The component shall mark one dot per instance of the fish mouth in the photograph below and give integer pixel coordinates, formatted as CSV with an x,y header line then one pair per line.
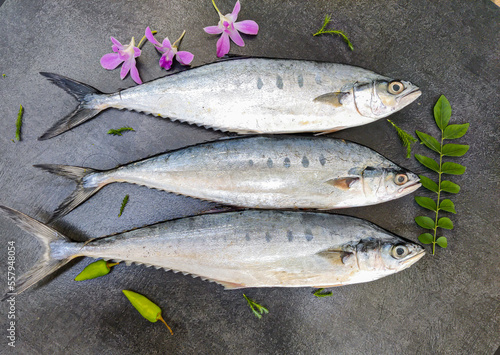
x,y
410,96
408,189
414,258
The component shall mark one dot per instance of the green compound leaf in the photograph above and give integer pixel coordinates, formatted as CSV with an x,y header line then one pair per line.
x,y
442,242
455,131
320,293
119,131
445,222
442,112
426,202
447,205
425,222
429,141
428,162
256,308
455,150
406,138
428,183
124,203
425,238
451,187
452,168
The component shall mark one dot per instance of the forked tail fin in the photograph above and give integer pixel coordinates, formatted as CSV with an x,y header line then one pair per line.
x,y
48,238
84,112
84,190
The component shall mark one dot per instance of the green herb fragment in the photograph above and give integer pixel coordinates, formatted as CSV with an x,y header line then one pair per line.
x,y
406,138
320,293
96,269
333,32
253,305
19,122
442,116
4,75
146,308
124,203
119,131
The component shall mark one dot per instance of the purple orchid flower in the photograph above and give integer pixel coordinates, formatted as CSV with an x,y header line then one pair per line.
x,y
169,51
123,54
229,29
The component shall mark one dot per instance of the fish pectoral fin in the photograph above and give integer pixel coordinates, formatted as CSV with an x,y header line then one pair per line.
x,y
343,183
332,98
336,256
335,129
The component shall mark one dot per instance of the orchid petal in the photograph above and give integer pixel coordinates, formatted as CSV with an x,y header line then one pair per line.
x,y
116,43
115,48
236,10
213,30
134,74
151,38
223,45
166,61
185,58
110,61
166,45
236,38
248,26
137,52
126,67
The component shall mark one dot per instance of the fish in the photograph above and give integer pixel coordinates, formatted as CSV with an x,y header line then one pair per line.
x,y
269,172
251,96
245,249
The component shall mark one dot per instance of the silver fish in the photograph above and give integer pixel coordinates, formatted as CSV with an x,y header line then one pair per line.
x,y
240,249
252,95
276,172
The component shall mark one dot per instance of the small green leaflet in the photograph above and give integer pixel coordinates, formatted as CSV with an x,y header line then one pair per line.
x,y
19,122
253,305
320,293
406,138
124,203
442,112
119,131
4,75
333,32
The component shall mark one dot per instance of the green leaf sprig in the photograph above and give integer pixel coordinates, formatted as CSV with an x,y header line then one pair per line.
x,y
96,269
322,30
146,308
442,115
124,203
257,309
19,122
321,293
119,131
406,138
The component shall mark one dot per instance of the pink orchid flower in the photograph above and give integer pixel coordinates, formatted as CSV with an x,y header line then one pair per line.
x,y
169,51
229,29
123,54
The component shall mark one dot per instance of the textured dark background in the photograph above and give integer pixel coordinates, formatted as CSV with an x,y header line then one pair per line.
x,y
444,304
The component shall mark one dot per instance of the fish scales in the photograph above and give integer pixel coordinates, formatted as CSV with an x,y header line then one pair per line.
x,y
252,95
252,248
276,172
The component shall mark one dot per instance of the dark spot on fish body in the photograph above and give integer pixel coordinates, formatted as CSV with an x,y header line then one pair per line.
x,y
300,80
250,162
269,163
260,84
286,163
268,237
289,234
322,160
247,237
279,82
308,234
305,162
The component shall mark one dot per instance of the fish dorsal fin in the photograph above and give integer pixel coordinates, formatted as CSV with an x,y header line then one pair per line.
x,y
337,256
332,98
343,183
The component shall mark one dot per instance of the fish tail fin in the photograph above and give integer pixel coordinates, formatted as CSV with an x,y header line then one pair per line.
x,y
84,189
50,261
85,110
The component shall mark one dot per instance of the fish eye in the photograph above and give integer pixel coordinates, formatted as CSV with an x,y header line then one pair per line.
x,y
395,87
400,251
401,179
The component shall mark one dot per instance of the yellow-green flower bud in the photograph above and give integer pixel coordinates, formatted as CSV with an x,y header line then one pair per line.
x,y
146,308
95,269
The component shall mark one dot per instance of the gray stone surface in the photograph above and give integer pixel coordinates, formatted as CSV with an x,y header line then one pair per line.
x,y
444,304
